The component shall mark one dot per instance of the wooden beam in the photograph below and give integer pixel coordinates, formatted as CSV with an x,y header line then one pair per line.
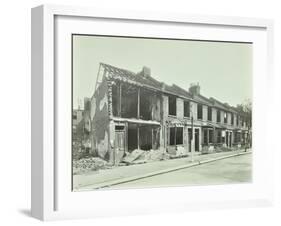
x,y
138,135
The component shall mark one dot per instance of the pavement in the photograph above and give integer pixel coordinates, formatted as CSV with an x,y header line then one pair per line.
x,y
233,170
124,174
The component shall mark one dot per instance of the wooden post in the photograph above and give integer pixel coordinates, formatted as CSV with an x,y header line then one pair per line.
x,y
138,135
175,136
120,100
138,114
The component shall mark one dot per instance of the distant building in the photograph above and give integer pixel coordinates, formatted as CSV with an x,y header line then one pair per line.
x,y
81,128
131,111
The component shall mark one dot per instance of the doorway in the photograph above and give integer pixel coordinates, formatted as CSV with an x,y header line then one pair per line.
x,y
119,146
196,139
226,139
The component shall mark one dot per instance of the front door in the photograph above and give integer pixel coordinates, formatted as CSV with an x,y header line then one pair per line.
x,y
119,146
226,139
196,139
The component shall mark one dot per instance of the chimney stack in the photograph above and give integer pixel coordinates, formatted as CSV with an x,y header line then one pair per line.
x,y
194,89
146,72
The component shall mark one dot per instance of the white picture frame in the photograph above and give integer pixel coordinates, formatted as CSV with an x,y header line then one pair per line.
x,y
49,198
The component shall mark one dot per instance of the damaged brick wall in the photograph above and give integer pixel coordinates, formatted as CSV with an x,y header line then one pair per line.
x,y
100,121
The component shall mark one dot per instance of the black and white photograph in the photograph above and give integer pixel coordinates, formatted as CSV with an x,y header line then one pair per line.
x,y
153,112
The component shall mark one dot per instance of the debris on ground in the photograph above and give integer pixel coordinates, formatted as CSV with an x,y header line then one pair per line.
x,y
141,156
134,155
89,164
223,149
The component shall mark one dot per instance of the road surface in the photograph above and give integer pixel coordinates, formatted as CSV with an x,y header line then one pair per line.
x,y
230,170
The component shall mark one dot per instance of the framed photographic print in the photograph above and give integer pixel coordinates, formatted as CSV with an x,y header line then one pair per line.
x,y
137,112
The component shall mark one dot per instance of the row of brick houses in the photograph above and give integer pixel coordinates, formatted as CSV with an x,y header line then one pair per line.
x,y
130,111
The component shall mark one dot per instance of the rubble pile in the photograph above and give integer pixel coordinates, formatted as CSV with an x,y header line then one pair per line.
x,y
223,149
89,164
140,156
134,155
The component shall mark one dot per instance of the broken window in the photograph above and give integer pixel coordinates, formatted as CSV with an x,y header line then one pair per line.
x,y
176,135
147,102
116,108
218,116
129,101
172,105
225,117
199,111
209,113
145,137
156,138
132,137
119,128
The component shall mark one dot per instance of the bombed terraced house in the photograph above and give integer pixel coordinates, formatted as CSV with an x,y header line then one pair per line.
x,y
132,113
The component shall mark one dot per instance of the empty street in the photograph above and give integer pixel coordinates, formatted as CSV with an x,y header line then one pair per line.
x,y
230,170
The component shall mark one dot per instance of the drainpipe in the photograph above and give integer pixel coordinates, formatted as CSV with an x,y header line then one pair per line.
x,y
192,149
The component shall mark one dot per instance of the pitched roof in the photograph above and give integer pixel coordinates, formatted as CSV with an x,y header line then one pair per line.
x,y
201,99
174,89
221,105
131,77
148,81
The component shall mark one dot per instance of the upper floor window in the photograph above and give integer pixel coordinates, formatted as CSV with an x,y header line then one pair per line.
x,y
199,111
232,118
209,113
172,105
237,120
186,105
225,117
218,116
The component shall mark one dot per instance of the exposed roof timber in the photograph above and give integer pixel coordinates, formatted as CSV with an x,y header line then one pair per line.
x,y
151,83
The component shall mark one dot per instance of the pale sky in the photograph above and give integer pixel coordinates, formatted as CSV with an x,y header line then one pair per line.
x,y
223,70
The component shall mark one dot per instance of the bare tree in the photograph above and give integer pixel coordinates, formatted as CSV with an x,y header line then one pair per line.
x,y
246,109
